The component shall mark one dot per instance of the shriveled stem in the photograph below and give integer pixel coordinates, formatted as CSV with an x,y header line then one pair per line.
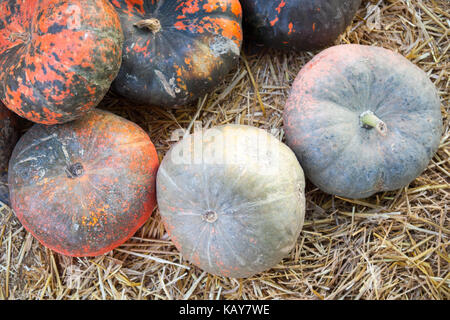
x,y
210,216
76,170
369,119
151,24
19,35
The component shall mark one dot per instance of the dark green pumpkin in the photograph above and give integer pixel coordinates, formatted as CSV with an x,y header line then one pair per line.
x,y
9,133
175,51
297,24
362,119
232,199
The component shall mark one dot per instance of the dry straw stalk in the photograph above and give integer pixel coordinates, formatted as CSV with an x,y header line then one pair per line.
x,y
394,245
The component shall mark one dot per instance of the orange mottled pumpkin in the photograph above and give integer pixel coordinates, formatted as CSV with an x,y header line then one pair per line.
x,y
84,187
57,58
175,51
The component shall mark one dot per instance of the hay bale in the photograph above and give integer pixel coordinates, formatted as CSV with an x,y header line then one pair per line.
x,y
393,245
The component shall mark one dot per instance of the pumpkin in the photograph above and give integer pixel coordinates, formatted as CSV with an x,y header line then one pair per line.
x,y
232,199
58,58
9,133
361,120
297,24
176,51
83,188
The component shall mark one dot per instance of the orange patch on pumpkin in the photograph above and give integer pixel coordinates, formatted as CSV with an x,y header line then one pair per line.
x,y
274,21
280,6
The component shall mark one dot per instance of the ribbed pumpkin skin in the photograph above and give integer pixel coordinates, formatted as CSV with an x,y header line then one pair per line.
x,y
322,120
58,58
233,217
84,187
9,133
297,24
198,44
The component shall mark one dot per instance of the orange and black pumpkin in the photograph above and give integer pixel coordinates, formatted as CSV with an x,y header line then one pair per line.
x,y
9,133
297,24
57,58
84,187
178,50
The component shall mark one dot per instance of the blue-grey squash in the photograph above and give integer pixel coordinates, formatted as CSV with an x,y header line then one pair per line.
x,y
362,119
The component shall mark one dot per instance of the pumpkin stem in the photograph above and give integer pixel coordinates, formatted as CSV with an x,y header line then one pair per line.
x,y
369,120
152,24
76,170
19,35
210,216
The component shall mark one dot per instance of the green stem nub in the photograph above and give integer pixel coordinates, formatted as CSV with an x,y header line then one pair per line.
x,y
369,120
151,24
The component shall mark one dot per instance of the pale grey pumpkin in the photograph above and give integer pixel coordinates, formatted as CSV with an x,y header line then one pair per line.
x,y
232,199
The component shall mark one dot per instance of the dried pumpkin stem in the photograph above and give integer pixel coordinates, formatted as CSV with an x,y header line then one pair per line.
x,y
210,216
76,170
19,35
369,119
151,24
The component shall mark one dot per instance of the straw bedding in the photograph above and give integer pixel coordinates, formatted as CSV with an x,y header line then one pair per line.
x,y
394,245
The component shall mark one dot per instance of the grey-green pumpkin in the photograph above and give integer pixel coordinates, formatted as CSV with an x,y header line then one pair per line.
x,y
361,120
232,199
